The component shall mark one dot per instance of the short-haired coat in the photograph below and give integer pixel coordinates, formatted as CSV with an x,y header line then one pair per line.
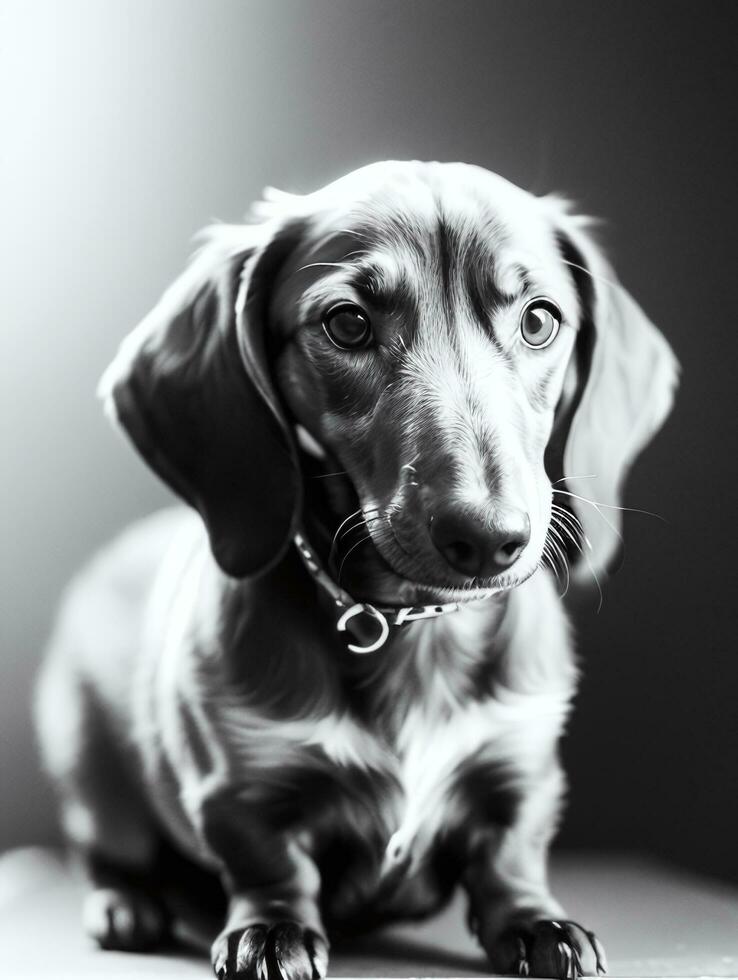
x,y
422,371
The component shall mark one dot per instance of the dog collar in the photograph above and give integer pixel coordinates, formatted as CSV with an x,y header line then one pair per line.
x,y
385,618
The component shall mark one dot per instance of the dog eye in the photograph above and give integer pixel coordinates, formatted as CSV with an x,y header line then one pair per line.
x,y
347,327
539,323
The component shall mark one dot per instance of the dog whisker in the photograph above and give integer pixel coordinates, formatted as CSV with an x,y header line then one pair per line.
x,y
572,522
569,525
367,537
577,523
334,265
324,476
560,550
597,581
550,558
353,547
583,553
585,476
341,525
596,506
366,517
549,561
353,233
613,285
598,503
564,535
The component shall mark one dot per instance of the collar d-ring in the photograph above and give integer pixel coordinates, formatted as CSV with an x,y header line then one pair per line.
x,y
366,608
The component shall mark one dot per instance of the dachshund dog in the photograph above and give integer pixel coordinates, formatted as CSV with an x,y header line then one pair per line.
x,y
335,683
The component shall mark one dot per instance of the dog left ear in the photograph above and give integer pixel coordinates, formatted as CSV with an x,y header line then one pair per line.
x,y
191,387
621,387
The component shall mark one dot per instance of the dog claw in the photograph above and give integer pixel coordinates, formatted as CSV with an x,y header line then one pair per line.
x,y
566,962
318,951
523,966
599,953
219,957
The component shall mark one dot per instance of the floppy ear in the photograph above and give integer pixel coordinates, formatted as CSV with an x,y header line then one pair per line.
x,y
191,387
625,377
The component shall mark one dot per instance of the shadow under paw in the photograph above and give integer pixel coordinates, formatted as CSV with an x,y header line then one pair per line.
x,y
283,951
549,948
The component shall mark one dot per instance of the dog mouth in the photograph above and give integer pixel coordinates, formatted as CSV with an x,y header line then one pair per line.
x,y
358,547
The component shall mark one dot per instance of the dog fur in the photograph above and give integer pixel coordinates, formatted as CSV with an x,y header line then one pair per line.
x,y
197,699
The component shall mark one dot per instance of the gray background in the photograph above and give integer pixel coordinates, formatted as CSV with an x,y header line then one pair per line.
x,y
127,126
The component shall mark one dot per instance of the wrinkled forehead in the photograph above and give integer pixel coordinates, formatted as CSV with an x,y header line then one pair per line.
x,y
481,242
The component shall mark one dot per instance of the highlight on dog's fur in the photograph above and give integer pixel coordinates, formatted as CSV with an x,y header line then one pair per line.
x,y
215,726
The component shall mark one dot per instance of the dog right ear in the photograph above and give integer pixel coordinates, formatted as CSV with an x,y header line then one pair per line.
x,y
191,386
625,375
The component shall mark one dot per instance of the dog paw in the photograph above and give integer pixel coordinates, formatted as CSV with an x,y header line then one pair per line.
x,y
549,948
124,919
283,951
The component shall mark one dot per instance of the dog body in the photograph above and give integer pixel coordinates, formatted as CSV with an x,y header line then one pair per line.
x,y
211,700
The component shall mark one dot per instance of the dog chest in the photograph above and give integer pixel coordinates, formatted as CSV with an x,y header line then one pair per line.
x,y
396,812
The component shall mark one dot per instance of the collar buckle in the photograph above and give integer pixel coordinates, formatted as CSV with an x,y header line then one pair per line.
x,y
409,614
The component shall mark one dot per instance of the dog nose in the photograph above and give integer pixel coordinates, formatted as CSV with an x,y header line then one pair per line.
x,y
476,548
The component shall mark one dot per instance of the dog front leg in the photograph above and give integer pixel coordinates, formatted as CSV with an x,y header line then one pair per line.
x,y
273,887
521,926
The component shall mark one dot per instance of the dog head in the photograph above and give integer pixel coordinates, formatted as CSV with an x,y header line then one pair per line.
x,y
449,350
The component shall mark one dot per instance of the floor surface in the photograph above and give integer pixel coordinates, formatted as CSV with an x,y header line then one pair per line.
x,y
654,922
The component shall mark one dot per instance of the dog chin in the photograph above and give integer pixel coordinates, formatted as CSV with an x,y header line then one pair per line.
x,y
423,594
383,585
